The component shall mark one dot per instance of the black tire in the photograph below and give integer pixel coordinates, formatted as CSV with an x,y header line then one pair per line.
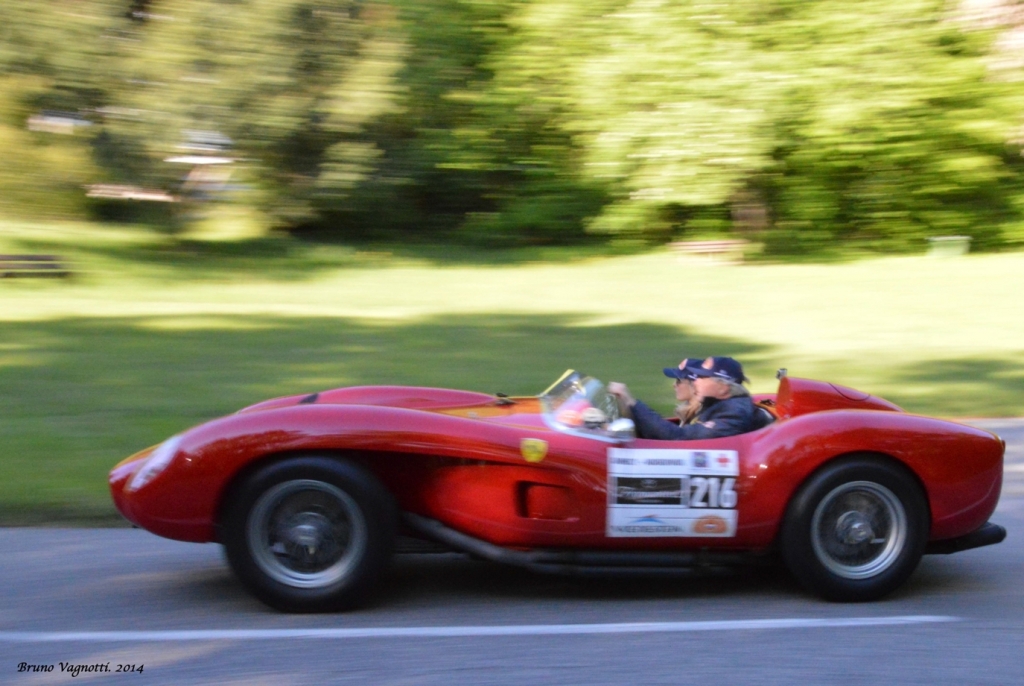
x,y
856,530
310,534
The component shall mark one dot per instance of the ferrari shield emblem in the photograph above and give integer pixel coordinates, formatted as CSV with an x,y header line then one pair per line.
x,y
533,449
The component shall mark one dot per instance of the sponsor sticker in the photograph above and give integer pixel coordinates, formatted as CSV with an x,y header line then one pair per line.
x,y
648,491
672,493
710,525
652,523
649,525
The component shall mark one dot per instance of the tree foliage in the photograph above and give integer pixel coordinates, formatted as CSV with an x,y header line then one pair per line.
x,y
804,123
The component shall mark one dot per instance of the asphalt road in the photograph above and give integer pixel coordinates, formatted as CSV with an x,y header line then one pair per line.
x,y
126,597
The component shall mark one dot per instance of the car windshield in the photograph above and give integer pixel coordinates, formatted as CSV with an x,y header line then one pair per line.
x,y
579,403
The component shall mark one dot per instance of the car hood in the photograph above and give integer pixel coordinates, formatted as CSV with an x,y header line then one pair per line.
x,y
442,400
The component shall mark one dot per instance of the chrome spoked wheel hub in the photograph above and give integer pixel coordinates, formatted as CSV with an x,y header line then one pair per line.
x,y
859,530
306,533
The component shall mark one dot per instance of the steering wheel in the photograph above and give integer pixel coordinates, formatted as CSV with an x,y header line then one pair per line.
x,y
609,405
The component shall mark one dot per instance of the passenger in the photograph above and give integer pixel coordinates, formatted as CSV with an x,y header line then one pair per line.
x,y
687,400
725,409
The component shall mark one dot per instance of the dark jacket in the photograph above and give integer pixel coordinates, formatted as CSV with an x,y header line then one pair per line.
x,y
717,418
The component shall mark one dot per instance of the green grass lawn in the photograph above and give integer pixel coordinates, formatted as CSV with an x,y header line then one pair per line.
x,y
155,334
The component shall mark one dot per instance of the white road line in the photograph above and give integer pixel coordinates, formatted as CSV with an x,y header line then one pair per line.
x,y
458,631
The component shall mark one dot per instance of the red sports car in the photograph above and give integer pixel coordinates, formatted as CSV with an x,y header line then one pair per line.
x,y
309,493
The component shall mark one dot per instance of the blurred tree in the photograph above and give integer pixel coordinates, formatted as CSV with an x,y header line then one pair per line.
x,y
75,49
810,122
59,62
664,102
868,120
526,167
890,130
417,189
286,86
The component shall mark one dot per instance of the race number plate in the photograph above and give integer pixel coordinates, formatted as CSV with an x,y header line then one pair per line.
x,y
672,493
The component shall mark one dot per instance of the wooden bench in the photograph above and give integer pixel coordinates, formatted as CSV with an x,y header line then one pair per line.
x,y
726,250
12,266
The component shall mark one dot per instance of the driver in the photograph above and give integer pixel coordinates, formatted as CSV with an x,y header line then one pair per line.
x,y
726,408
687,400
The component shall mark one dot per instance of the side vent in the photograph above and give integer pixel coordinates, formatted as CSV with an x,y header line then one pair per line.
x,y
545,501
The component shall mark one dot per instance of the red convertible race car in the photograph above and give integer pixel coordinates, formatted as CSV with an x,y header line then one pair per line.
x,y
309,493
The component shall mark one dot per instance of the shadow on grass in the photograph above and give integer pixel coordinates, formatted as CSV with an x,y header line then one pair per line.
x,y
960,387
81,394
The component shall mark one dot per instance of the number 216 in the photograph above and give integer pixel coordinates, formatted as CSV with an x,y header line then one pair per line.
x,y
719,492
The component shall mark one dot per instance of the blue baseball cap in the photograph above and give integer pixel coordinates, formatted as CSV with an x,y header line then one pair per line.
x,y
685,370
720,368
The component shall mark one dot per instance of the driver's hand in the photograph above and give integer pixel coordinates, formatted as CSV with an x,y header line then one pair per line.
x,y
621,393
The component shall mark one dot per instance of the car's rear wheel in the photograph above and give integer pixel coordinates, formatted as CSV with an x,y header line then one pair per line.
x,y
856,530
310,534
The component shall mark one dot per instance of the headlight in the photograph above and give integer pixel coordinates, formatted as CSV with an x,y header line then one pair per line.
x,y
156,463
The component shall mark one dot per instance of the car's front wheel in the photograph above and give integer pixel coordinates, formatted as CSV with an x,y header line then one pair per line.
x,y
856,530
310,534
